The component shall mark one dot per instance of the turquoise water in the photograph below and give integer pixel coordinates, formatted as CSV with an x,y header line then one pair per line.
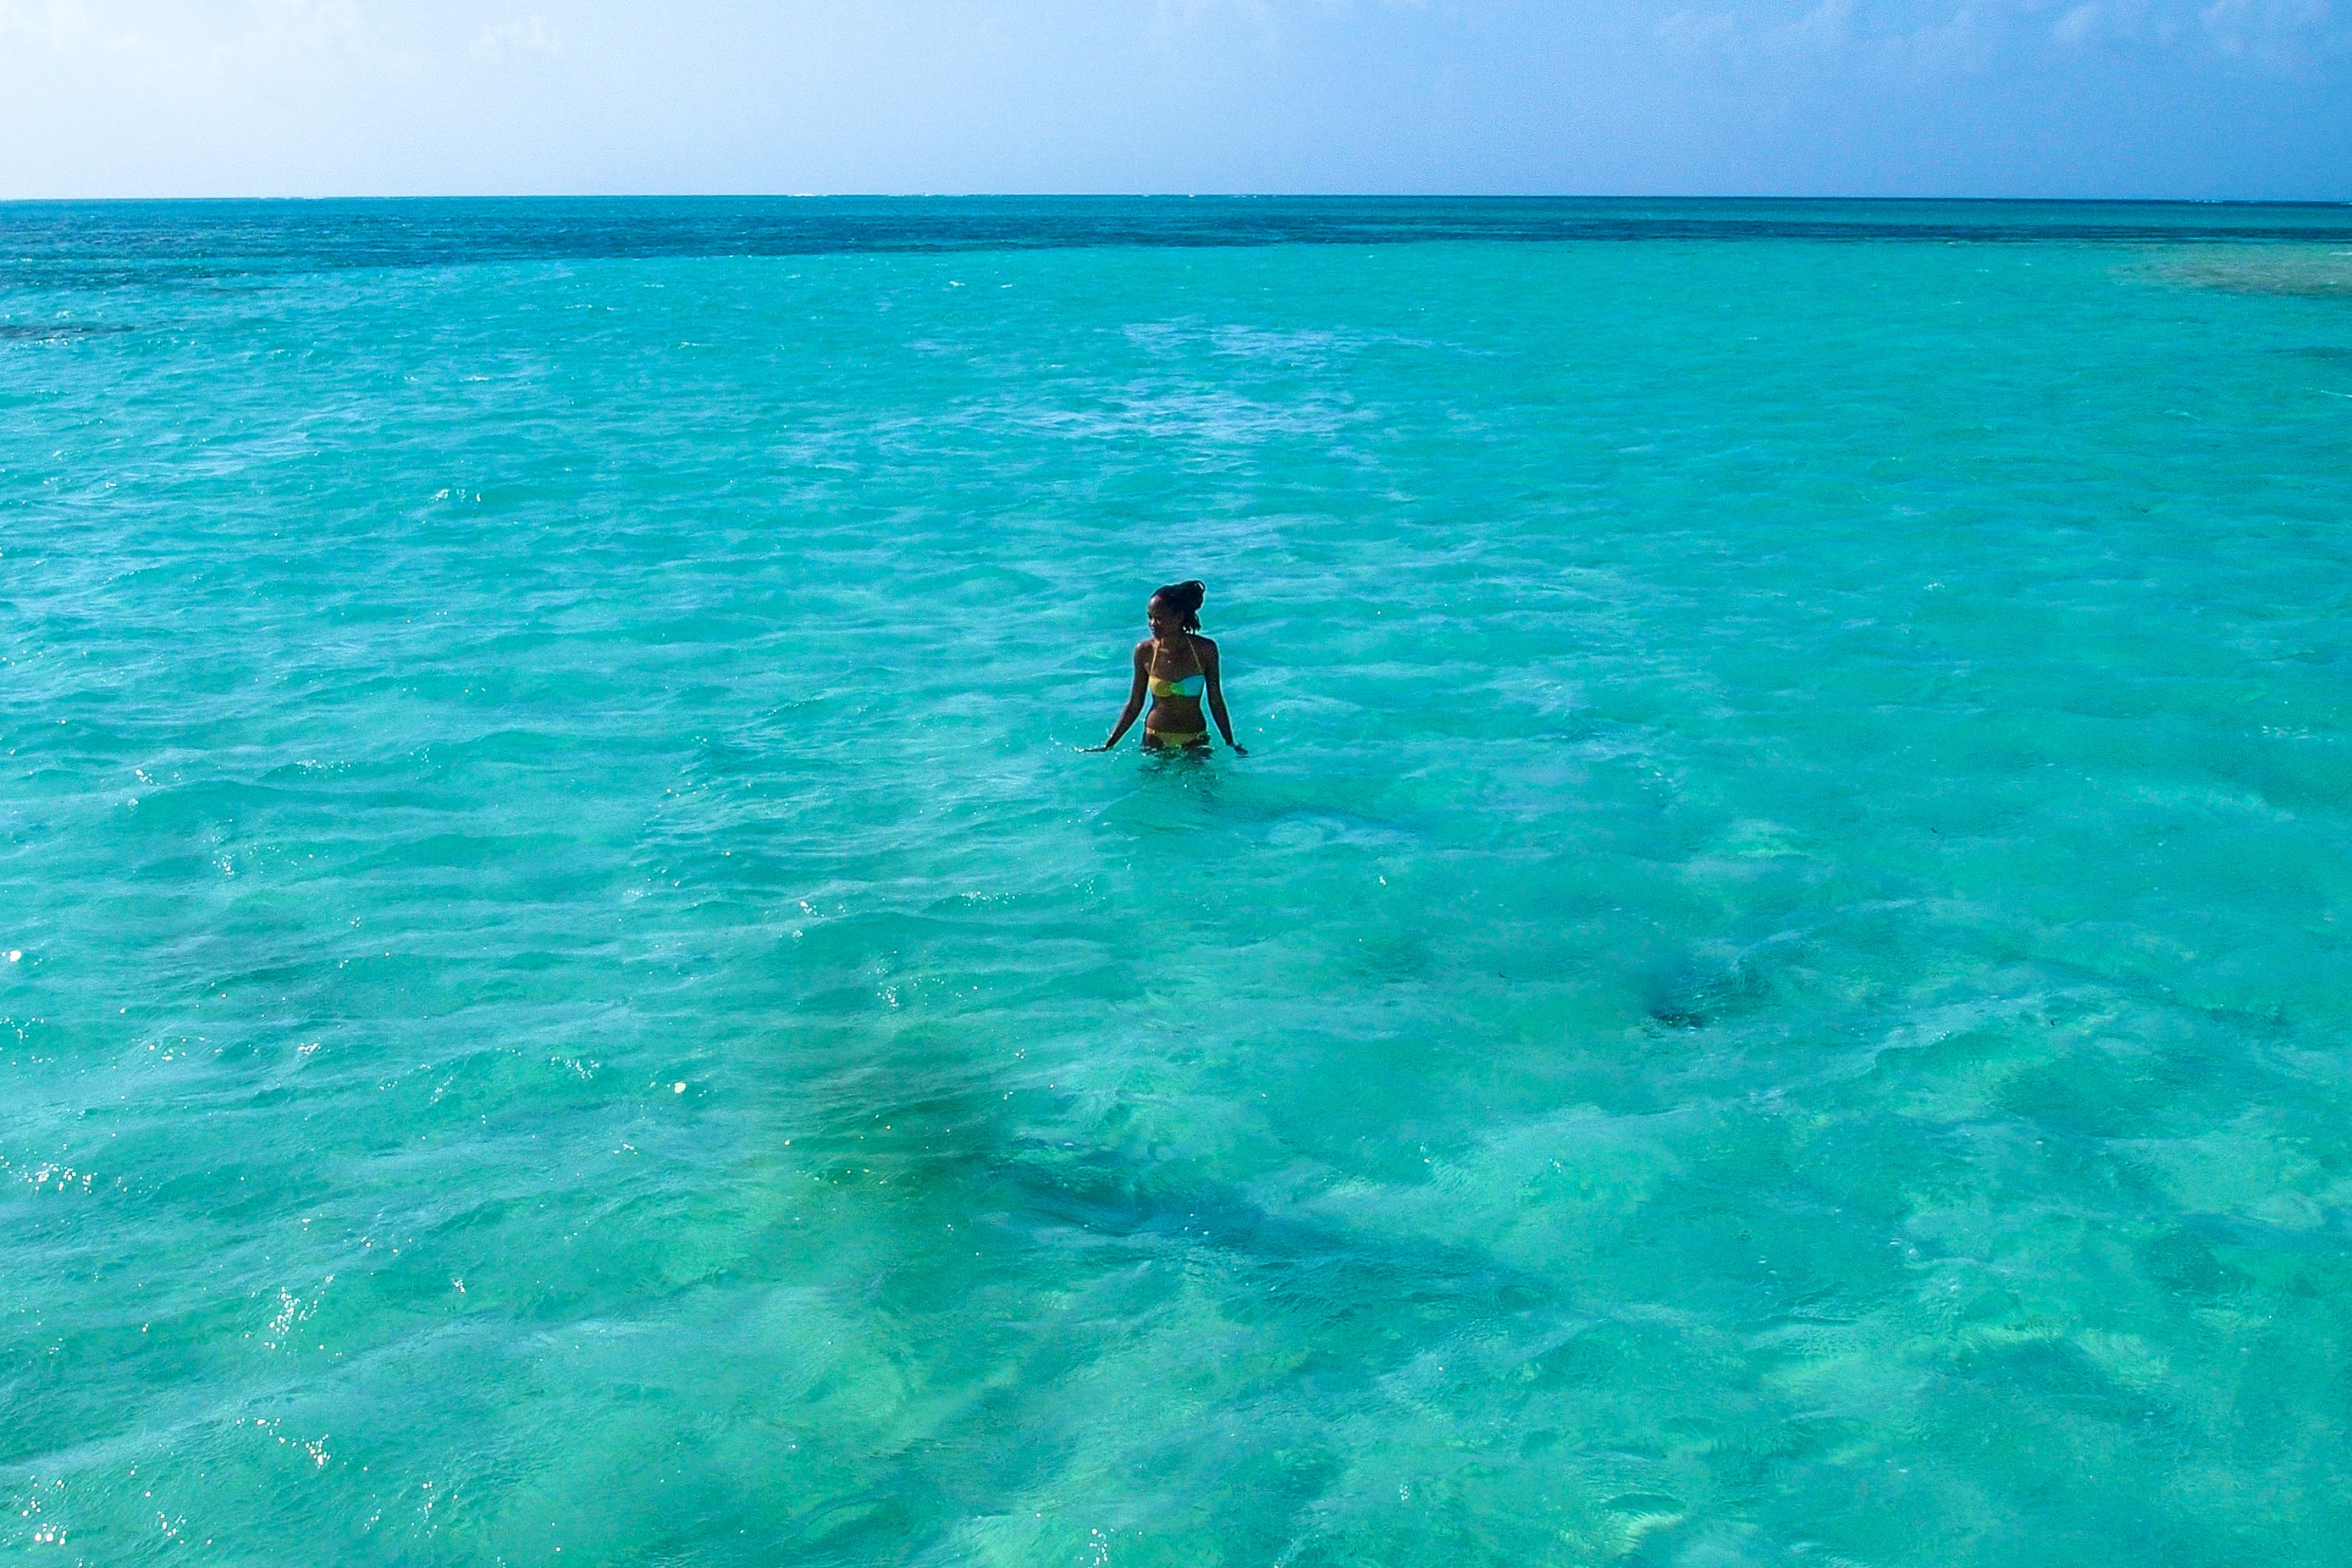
x,y
1773,987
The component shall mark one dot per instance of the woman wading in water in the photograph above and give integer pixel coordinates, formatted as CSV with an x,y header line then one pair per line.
x,y
1176,667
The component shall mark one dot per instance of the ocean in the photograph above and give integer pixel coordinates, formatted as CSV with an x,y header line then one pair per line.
x,y
1774,987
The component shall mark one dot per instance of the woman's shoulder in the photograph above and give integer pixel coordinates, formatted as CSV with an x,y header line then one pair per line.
x,y
1143,651
1205,646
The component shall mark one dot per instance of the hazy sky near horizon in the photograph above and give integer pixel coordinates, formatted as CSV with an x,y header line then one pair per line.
x,y
2031,98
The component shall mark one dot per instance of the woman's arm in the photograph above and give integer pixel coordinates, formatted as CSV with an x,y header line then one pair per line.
x,y
1134,699
1212,667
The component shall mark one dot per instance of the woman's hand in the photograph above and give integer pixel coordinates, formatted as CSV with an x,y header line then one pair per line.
x,y
1239,750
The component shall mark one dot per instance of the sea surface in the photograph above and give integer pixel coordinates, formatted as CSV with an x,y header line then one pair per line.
x,y
1775,986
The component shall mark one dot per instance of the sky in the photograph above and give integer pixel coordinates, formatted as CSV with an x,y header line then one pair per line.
x,y
2198,99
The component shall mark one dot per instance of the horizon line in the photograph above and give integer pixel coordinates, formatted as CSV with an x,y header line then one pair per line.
x,y
1183,196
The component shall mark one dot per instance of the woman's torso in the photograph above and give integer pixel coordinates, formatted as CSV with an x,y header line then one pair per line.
x,y
1178,681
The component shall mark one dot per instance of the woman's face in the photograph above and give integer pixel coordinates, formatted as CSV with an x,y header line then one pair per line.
x,y
1165,621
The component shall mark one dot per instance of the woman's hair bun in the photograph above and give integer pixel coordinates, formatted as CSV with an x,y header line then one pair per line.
x,y
1185,599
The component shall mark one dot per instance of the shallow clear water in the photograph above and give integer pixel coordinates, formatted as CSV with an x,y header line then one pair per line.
x,y
1773,988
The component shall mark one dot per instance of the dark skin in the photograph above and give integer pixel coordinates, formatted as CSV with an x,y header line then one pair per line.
x,y
1171,652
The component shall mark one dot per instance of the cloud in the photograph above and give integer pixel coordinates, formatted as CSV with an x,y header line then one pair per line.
x,y
2290,37
1965,36
285,40
273,40
56,23
2289,34
506,40
63,28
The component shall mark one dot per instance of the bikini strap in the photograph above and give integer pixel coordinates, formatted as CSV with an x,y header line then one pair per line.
x,y
1199,667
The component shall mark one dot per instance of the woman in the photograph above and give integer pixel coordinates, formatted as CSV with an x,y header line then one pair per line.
x,y
1177,667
